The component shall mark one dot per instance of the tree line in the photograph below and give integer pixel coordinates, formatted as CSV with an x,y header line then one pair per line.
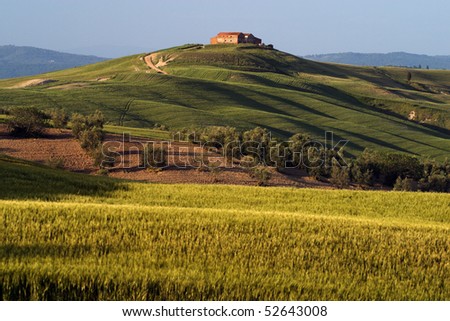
x,y
255,151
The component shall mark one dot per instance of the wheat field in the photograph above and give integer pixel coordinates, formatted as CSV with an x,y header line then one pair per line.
x,y
71,237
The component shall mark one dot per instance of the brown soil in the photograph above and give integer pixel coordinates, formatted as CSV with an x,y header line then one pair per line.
x,y
61,146
57,145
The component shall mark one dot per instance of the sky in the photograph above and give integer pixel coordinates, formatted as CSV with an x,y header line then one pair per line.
x,y
112,28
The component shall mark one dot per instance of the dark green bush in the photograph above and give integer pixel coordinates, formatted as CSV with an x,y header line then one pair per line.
x,y
27,122
340,176
91,139
59,118
405,184
262,174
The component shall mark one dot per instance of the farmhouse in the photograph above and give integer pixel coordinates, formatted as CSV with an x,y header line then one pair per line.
x,y
235,38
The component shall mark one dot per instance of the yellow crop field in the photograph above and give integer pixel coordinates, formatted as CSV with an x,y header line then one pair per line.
x,y
134,241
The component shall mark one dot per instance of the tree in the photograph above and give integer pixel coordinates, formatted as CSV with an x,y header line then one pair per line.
x,y
80,123
296,148
89,131
435,183
388,166
257,142
214,169
262,174
59,118
340,176
408,76
27,122
91,139
405,184
359,175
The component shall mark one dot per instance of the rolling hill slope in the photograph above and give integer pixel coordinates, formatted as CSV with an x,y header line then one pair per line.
x,y
247,86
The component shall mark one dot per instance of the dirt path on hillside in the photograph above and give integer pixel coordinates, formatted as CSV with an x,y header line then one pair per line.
x,y
149,61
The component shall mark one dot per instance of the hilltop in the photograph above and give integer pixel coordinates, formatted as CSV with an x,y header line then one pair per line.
x,y
244,86
389,59
18,61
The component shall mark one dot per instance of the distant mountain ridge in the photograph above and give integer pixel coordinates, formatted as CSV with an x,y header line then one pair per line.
x,y
16,61
401,59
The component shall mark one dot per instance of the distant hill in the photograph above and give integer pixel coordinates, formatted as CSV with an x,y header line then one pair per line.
x,y
399,59
26,61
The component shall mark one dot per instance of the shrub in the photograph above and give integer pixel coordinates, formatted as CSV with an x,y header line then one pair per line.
x,y
340,176
315,163
388,166
296,146
59,118
80,123
435,183
360,176
89,131
214,169
257,142
405,184
262,174
279,155
27,122
219,136
91,139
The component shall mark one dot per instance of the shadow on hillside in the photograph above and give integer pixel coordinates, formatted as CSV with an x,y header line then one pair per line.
x,y
294,104
378,142
26,180
418,142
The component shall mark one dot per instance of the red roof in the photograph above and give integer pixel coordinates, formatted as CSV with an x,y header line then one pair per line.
x,y
229,33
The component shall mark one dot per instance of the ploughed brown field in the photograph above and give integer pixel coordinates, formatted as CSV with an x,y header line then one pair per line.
x,y
60,145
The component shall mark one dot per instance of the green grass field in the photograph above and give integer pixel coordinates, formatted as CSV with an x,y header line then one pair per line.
x,y
245,87
139,132
75,237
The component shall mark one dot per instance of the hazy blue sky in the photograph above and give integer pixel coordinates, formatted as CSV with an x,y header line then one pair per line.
x,y
297,26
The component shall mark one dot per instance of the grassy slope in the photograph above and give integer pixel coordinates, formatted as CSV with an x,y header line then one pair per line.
x,y
68,236
246,87
138,132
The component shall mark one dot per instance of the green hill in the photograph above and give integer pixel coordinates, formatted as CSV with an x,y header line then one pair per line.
x,y
247,86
